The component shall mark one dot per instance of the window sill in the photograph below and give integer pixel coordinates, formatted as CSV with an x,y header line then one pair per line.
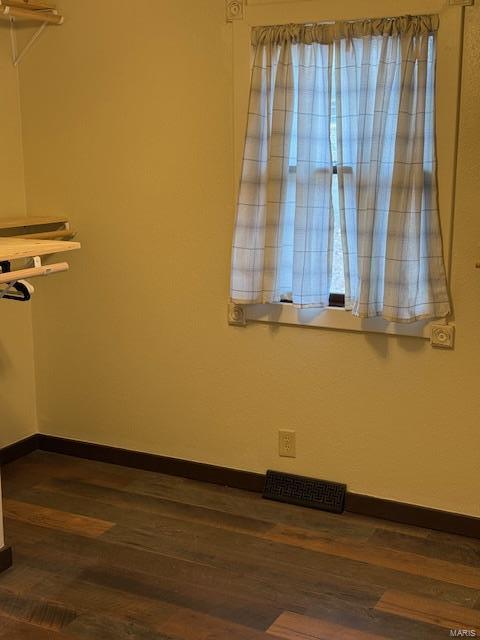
x,y
334,318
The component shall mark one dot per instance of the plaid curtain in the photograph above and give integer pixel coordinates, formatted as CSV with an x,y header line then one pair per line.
x,y
283,235
383,72
385,97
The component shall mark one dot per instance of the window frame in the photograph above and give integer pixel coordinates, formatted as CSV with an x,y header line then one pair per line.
x,y
336,299
448,76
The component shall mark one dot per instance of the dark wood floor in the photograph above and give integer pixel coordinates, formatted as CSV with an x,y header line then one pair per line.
x,y
111,553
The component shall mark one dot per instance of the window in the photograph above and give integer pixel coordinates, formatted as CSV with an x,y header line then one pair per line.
x,y
337,286
448,78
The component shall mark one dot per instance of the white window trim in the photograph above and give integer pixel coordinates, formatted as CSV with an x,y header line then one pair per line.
x,y
262,12
334,318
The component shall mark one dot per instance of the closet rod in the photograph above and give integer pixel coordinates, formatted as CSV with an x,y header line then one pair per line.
x,y
30,14
46,270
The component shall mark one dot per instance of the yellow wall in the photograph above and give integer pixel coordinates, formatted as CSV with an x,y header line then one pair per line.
x,y
128,128
17,381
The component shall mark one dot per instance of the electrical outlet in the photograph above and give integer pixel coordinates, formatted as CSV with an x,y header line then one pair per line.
x,y
287,443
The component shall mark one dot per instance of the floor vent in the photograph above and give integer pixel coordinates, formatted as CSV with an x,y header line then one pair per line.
x,y
306,492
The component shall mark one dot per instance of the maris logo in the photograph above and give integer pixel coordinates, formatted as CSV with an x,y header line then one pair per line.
x,y
463,633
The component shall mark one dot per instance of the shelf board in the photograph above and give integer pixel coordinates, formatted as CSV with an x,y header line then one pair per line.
x,y
19,248
40,12
31,221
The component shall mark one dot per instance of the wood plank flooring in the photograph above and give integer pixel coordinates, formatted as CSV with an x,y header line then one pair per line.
x,y
109,553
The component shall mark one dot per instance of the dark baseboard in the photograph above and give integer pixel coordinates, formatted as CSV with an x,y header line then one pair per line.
x,y
5,558
152,462
18,449
445,521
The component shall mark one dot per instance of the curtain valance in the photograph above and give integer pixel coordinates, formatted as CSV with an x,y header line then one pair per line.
x,y
328,32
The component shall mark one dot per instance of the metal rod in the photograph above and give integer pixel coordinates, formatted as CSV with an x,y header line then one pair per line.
x,y
30,43
13,39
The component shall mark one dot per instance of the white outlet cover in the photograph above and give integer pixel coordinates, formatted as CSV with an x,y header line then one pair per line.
x,y
287,443
442,335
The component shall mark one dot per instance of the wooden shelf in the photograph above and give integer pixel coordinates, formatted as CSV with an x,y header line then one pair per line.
x,y
31,5
30,10
17,242
18,248
32,221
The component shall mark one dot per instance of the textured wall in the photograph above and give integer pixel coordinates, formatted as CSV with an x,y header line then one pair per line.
x,y
127,120
17,384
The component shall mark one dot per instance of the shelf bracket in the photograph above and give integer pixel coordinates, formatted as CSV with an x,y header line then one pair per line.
x,y
16,55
